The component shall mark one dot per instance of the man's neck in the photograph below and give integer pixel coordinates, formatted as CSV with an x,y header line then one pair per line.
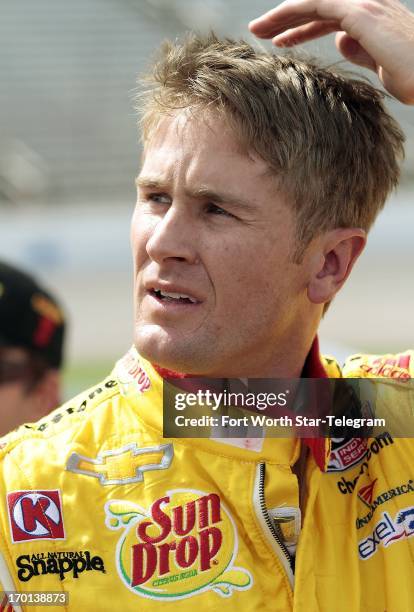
x,y
311,367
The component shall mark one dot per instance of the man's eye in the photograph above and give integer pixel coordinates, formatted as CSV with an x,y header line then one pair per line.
x,y
154,198
158,198
216,210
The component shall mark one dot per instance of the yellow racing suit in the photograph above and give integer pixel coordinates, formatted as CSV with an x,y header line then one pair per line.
x,y
99,509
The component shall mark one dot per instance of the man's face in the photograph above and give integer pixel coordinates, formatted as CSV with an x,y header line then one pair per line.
x,y
14,406
211,226
20,403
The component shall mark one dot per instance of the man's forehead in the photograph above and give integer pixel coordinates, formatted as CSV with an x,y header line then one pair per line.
x,y
194,128
185,139
13,354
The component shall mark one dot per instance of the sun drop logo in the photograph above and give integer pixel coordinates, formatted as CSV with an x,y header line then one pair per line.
x,y
184,544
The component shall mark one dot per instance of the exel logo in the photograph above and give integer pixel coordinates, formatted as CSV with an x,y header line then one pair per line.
x,y
388,531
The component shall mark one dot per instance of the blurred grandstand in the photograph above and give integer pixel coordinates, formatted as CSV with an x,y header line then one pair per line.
x,y
69,153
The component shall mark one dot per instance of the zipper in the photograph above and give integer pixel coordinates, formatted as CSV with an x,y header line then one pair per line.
x,y
273,534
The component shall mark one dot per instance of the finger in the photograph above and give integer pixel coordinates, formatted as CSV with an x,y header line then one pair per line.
x,y
304,33
294,13
352,51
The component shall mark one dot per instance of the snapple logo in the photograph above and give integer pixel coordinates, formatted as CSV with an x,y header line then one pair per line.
x,y
185,544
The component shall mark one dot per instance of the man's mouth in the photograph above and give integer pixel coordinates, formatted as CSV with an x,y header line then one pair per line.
x,y
175,298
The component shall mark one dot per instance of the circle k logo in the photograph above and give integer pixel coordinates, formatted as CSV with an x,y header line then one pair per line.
x,y
35,515
186,543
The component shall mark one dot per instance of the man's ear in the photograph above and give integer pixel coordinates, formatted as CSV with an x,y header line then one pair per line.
x,y
338,250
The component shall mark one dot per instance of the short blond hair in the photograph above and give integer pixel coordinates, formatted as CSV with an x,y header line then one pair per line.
x,y
327,137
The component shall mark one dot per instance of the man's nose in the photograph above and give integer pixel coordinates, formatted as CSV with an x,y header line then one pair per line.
x,y
173,237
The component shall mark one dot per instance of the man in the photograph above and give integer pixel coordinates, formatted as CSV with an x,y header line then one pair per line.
x,y
31,345
260,179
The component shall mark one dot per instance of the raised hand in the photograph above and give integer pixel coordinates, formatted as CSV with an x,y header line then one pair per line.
x,y
378,34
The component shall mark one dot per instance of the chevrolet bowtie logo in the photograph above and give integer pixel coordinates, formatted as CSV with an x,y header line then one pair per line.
x,y
123,465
